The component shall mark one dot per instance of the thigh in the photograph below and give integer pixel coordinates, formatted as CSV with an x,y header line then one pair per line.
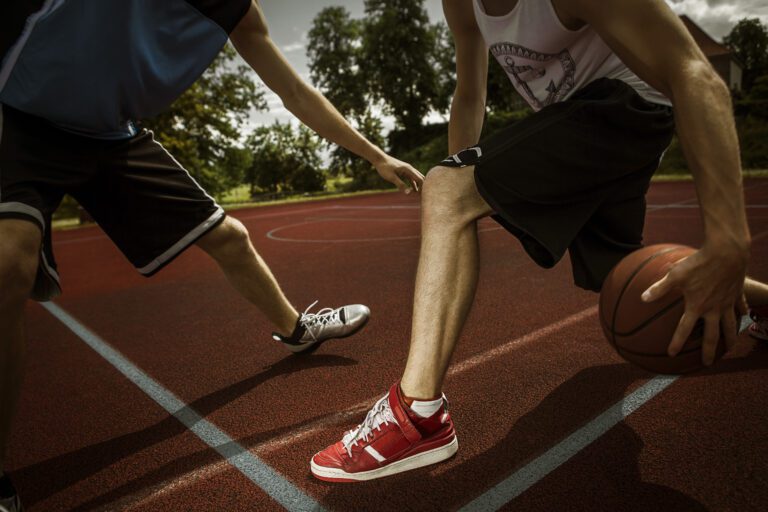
x,y
148,203
38,164
613,231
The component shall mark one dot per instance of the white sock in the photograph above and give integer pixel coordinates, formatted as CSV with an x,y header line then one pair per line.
x,y
425,409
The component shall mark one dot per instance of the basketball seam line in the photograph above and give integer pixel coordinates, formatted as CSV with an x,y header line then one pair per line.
x,y
626,285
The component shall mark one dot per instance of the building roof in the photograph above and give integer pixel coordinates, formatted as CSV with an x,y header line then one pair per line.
x,y
709,46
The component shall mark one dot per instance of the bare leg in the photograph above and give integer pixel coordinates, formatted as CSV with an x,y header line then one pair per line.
x,y
19,247
230,245
446,278
756,292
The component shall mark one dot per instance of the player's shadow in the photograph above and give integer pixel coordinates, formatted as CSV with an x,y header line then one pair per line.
x,y
41,480
613,483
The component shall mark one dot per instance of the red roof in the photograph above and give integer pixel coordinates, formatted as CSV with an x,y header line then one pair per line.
x,y
709,46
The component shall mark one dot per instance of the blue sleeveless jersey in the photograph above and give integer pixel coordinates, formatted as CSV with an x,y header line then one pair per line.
x,y
96,66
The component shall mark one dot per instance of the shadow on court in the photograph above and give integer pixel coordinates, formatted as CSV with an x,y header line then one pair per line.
x,y
38,482
616,483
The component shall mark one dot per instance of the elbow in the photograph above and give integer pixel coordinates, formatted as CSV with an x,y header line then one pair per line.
x,y
469,98
295,97
699,75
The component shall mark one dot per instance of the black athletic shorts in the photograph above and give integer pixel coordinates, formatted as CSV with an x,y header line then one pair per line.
x,y
574,175
144,200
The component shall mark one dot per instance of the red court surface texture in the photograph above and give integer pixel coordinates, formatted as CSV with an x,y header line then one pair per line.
x,y
168,393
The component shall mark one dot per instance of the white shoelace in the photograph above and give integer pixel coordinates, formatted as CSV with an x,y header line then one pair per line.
x,y
380,414
325,316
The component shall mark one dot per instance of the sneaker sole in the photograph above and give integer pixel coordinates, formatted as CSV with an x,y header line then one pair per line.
x,y
308,349
413,462
757,334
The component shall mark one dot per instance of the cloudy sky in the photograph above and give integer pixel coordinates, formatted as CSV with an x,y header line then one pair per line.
x,y
290,20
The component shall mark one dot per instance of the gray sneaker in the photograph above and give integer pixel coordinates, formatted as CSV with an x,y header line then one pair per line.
x,y
326,324
10,504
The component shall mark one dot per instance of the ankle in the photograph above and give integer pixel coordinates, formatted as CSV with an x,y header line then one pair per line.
x,y
288,327
411,392
421,407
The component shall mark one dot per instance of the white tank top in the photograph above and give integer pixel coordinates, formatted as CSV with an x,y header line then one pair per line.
x,y
548,62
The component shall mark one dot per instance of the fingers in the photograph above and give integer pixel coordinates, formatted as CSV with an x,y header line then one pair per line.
x,y
711,339
400,184
683,331
658,289
414,177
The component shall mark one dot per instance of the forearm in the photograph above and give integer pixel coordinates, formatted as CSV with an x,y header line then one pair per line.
x,y
467,113
252,41
707,133
315,111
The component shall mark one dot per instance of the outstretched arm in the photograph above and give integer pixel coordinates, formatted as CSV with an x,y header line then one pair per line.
x,y
251,39
654,43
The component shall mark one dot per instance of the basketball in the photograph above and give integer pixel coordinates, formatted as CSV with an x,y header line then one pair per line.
x,y
639,331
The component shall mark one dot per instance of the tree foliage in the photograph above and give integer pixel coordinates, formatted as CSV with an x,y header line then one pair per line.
x,y
749,41
401,60
203,127
334,54
284,159
346,163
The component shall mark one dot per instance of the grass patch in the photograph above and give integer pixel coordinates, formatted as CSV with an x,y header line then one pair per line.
x,y
686,176
230,200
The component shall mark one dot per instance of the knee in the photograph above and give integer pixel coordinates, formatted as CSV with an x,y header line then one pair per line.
x,y
445,196
229,239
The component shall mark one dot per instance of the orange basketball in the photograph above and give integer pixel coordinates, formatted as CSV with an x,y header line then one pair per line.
x,y
639,331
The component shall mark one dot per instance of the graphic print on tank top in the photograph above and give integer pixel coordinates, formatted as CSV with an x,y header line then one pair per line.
x,y
525,66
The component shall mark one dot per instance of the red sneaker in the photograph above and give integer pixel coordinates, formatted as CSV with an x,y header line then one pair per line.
x,y
389,441
759,329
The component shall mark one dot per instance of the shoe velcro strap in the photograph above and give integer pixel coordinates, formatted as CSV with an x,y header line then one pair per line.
x,y
409,430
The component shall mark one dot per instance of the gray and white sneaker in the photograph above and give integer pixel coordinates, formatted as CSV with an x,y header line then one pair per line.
x,y
313,329
10,504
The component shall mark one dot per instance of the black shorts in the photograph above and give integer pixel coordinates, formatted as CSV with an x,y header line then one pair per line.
x,y
574,176
144,200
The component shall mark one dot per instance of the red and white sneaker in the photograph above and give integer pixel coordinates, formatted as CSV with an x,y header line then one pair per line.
x,y
759,329
390,440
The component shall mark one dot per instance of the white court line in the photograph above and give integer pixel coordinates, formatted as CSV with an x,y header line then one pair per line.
x,y
272,235
468,364
256,470
530,474
247,217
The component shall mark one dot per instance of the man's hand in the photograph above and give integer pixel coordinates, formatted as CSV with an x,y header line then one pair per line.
x,y
399,173
711,282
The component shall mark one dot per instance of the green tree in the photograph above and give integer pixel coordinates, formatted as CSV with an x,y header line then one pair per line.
x,y
346,163
334,53
759,90
284,160
749,41
202,128
400,60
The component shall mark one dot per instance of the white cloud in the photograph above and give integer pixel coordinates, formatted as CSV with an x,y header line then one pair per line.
x,y
293,47
718,17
